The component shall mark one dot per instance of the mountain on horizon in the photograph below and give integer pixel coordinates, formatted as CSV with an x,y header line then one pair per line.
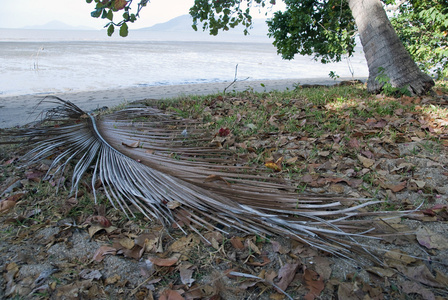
x,y
58,25
183,24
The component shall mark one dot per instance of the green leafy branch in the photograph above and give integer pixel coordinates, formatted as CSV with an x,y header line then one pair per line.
x,y
324,29
224,14
423,28
106,9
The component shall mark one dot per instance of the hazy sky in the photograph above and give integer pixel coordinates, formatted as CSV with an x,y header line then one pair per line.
x,y
21,13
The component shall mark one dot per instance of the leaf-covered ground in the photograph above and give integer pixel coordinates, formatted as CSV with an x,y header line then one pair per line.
x,y
337,140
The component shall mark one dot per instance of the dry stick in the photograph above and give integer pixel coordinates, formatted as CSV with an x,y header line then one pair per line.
x,y
350,67
234,80
36,63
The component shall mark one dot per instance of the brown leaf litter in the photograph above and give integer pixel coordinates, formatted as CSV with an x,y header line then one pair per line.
x,y
46,254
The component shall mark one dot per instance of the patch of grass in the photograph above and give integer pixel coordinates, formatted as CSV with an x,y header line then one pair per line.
x,y
442,86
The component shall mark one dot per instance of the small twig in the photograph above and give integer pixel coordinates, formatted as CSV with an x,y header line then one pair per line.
x,y
36,63
144,281
235,79
350,67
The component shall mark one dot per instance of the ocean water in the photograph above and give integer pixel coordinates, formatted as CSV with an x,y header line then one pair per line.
x,y
47,61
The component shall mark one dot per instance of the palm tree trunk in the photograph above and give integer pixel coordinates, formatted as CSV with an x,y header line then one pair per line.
x,y
384,50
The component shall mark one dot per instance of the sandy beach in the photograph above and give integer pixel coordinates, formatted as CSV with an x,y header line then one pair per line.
x,y
20,110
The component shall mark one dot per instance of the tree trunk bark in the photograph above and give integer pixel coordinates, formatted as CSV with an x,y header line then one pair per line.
x,y
384,50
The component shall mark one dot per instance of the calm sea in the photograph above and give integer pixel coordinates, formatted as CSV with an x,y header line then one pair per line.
x,y
48,61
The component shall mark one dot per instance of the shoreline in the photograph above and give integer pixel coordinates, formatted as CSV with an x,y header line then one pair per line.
x,y
20,110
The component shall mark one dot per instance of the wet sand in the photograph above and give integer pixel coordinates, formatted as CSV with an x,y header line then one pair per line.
x,y
20,110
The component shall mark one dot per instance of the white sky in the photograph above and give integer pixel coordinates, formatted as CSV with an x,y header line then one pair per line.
x,y
21,13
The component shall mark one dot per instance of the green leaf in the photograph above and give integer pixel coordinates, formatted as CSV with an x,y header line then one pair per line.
x,y
96,13
124,30
89,1
126,16
104,14
110,30
110,15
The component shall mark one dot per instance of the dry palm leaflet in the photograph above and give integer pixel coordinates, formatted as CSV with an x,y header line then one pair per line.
x,y
163,166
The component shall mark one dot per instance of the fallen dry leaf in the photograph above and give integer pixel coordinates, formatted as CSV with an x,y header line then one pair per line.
x,y
382,272
286,275
90,274
136,252
266,260
438,210
350,290
186,274
213,238
112,279
10,202
15,197
441,278
366,162
148,241
412,287
431,239
397,257
421,274
396,187
184,243
314,283
165,262
419,183
323,153
373,123
71,291
6,205
170,295
35,176
214,235
249,283
100,220
102,252
253,247
70,203
276,166
97,228
237,243
197,292
323,267
126,242
11,271
173,204
277,247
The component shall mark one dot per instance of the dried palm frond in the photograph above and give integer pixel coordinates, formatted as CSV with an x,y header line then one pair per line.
x,y
162,165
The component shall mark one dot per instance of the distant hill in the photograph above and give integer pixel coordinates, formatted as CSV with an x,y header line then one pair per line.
x,y
58,25
183,24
